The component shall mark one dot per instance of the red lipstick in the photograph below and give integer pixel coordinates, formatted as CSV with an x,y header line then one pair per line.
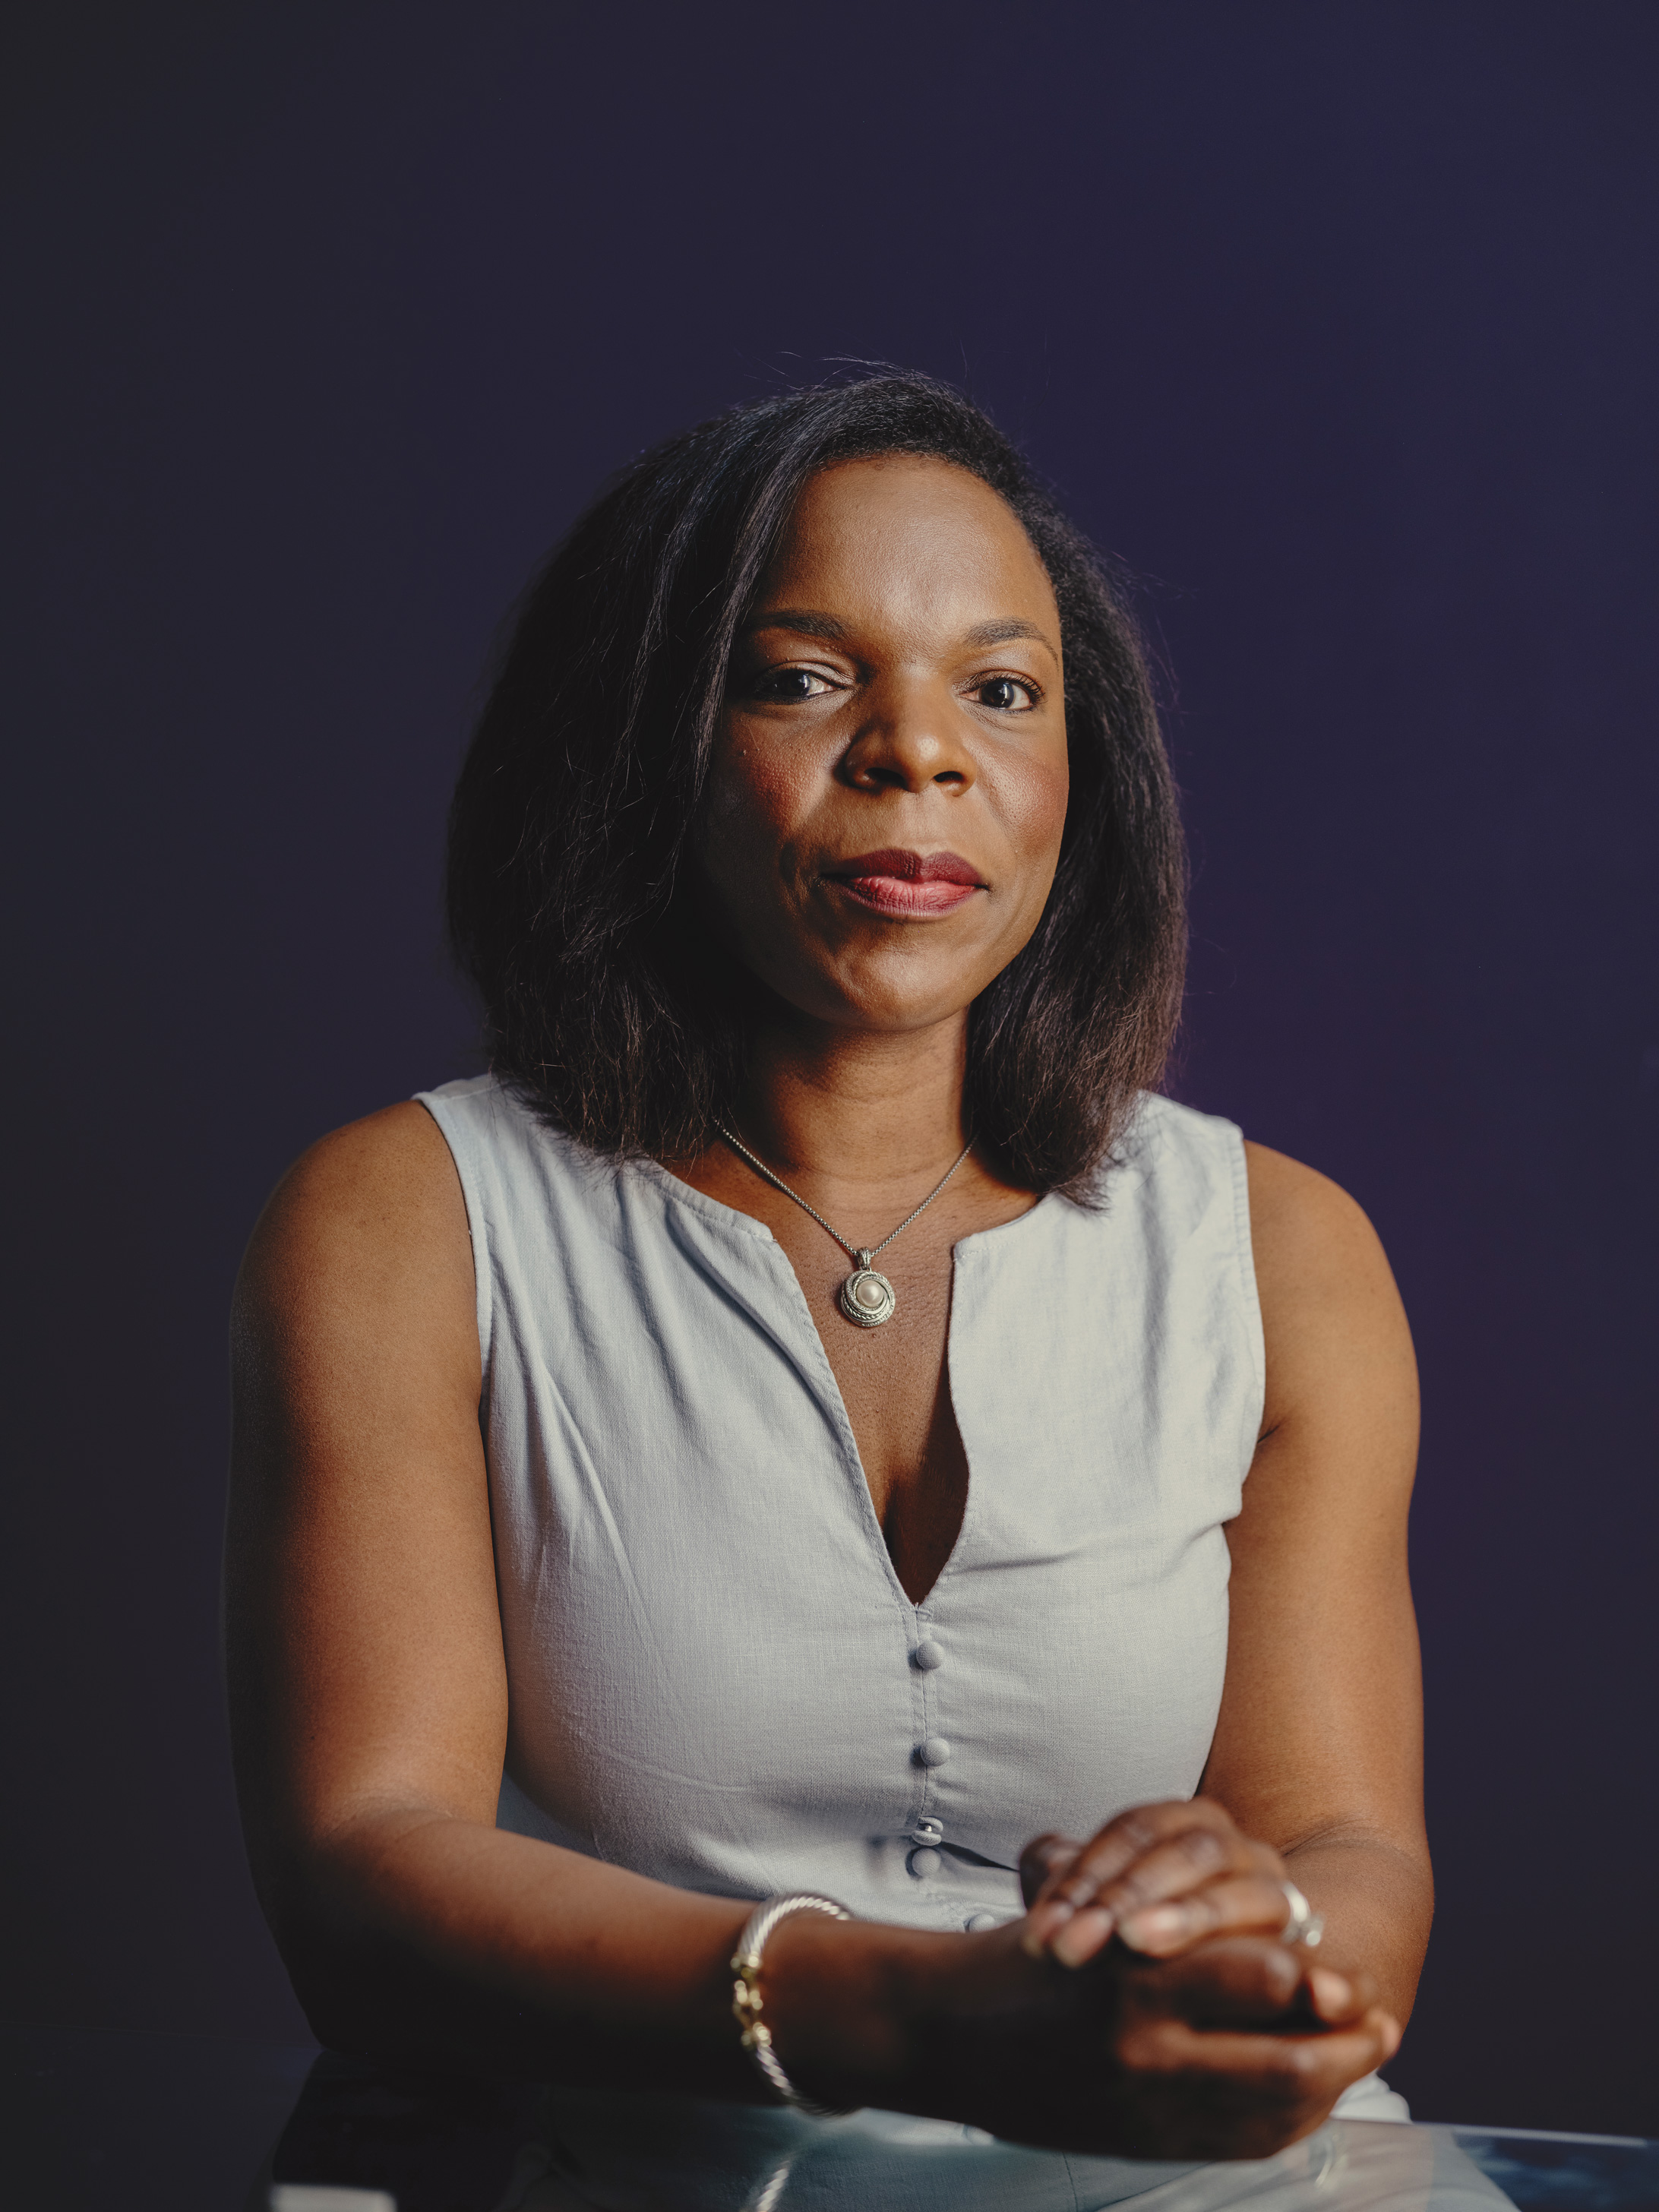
x,y
895,881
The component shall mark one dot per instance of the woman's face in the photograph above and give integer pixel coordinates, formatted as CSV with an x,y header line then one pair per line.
x,y
885,802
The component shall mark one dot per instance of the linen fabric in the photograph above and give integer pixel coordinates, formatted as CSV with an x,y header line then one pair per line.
x,y
715,1677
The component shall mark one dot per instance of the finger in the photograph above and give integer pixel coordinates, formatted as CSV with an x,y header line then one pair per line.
x,y
1188,1847
1236,1904
1174,1867
1310,2071
1044,1859
1336,1998
1248,1979
1122,1840
1240,1981
1071,1890
1249,2094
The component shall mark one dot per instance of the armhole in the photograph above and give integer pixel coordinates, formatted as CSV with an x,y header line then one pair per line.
x,y
439,1108
1244,1248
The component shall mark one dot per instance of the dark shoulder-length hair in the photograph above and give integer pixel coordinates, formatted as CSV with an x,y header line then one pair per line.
x,y
609,1007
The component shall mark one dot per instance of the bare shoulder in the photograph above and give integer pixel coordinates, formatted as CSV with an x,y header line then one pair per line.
x,y
1331,1313
1311,1239
1299,1217
362,1635
367,1230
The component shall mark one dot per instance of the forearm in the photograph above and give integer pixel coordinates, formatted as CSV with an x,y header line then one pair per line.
x,y
1377,1901
419,1938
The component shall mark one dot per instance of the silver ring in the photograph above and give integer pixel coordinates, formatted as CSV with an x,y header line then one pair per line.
x,y
1302,1924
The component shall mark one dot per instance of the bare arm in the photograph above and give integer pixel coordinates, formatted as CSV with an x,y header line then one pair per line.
x,y
1315,1770
368,1681
1319,1748
370,1708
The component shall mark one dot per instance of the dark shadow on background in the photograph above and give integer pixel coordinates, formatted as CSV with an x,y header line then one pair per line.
x,y
1337,323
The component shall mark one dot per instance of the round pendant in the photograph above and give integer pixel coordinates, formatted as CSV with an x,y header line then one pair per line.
x,y
868,1299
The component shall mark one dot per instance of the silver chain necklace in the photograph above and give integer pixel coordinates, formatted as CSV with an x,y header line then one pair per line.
x,y
866,1296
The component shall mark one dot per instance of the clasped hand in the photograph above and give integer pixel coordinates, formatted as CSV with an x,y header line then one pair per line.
x,y
1220,2039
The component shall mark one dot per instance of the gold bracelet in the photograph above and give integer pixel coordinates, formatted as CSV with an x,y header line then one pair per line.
x,y
747,1996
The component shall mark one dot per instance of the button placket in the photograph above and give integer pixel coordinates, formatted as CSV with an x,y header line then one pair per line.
x,y
932,1750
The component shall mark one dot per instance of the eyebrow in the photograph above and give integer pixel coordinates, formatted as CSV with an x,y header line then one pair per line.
x,y
1000,633
805,623
801,620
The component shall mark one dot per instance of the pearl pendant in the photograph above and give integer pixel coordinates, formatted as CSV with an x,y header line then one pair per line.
x,y
866,1296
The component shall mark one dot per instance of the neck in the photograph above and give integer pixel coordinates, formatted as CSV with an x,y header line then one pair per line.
x,y
861,1107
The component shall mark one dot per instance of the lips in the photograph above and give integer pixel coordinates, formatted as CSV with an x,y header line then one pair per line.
x,y
896,882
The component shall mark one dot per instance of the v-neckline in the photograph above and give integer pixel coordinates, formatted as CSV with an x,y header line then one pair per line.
x,y
733,1218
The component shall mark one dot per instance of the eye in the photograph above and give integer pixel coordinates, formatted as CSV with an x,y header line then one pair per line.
x,y
789,684
1007,695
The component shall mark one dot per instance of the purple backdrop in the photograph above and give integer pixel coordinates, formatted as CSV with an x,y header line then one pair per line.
x,y
1336,323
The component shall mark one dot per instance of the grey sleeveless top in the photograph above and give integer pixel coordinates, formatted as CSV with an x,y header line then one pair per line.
x,y
715,1677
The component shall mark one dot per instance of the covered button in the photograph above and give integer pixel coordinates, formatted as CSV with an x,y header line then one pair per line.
x,y
927,1656
923,1860
933,1752
975,1921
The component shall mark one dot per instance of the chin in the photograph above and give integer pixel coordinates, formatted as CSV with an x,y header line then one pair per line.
x,y
898,1009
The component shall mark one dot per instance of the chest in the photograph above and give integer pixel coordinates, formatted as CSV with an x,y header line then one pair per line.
x,y
702,1615
893,1378
890,1376
895,1383
714,1669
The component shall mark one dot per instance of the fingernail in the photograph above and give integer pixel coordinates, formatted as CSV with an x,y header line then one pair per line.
x,y
1082,1937
1332,1995
1041,1923
1152,1926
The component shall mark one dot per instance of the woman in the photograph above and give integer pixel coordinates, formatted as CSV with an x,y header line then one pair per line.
x,y
813,1419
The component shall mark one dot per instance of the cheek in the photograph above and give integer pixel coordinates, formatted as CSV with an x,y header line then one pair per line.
x,y
752,799
1035,809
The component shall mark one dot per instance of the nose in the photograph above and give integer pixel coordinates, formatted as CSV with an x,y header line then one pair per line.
x,y
913,735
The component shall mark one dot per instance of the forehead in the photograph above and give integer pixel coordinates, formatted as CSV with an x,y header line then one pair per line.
x,y
908,524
